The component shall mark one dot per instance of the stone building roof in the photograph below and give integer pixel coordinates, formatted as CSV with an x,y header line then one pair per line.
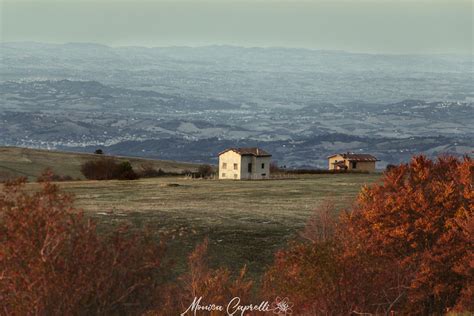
x,y
356,157
248,151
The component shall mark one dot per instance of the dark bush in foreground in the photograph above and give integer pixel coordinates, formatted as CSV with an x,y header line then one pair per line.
x,y
108,169
53,262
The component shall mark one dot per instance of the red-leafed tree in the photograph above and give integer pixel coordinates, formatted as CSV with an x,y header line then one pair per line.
x,y
414,218
406,246
53,262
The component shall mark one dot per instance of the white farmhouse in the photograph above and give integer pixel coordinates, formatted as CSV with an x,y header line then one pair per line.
x,y
244,163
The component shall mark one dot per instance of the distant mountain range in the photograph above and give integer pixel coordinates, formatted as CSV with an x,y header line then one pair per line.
x,y
187,104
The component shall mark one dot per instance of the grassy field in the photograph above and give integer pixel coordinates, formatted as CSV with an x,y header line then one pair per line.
x,y
246,221
30,163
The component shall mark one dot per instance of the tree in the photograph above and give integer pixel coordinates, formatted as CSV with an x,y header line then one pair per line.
x,y
413,218
100,169
53,261
324,274
215,286
405,246
390,167
49,175
125,171
108,168
147,170
465,266
99,152
274,168
205,171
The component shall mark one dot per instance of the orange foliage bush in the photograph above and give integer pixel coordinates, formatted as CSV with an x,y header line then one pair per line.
x,y
48,176
326,274
215,286
414,218
53,262
465,267
406,247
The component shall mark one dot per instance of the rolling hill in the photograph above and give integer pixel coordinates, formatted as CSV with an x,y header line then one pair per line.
x,y
15,162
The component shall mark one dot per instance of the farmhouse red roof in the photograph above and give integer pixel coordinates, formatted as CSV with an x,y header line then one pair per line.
x,y
248,151
356,157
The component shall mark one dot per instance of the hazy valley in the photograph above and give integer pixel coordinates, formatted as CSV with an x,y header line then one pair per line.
x,y
188,103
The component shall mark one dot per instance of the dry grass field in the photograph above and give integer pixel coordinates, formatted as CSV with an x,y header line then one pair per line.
x,y
246,221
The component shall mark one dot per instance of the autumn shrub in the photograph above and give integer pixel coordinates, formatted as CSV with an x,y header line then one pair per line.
x,y
215,286
320,277
5,176
414,218
53,261
147,170
405,246
205,171
465,267
108,168
49,175
390,167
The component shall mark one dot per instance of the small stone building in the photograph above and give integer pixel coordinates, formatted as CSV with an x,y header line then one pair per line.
x,y
352,161
244,163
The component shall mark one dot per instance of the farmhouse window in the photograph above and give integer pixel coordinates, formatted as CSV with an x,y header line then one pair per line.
x,y
249,168
224,165
354,165
263,166
236,166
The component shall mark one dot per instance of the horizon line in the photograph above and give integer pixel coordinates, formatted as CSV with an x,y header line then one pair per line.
x,y
222,45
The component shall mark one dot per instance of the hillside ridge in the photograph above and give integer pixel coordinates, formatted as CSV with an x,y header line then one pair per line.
x,y
31,162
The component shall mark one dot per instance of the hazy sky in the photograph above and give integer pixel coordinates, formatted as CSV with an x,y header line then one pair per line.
x,y
393,26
